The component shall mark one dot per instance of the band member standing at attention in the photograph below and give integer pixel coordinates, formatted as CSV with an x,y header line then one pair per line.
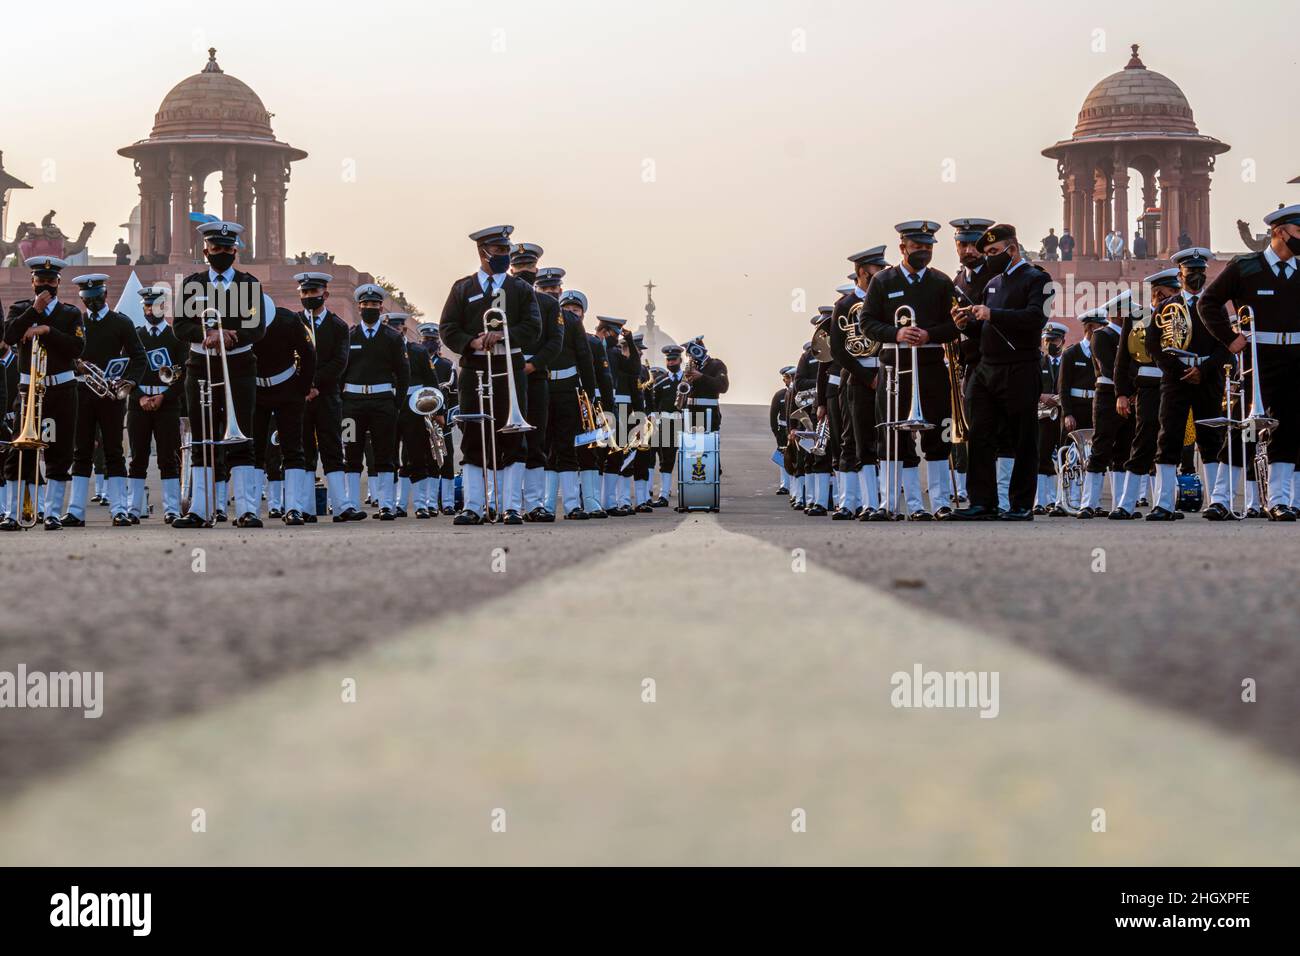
x,y
624,368
415,454
859,379
928,293
1267,283
58,329
841,455
776,419
1076,386
1192,382
243,308
1137,391
664,402
113,347
1004,394
570,369
286,365
8,399
1049,416
1112,435
524,257
807,489
154,413
374,385
442,483
322,420
463,330
591,458
970,280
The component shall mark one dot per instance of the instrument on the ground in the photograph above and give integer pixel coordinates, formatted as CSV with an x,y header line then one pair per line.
x,y
29,439
93,377
1072,469
698,472
1175,324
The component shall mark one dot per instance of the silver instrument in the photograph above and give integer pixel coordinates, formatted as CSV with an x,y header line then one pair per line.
x,y
427,402
904,317
171,373
93,377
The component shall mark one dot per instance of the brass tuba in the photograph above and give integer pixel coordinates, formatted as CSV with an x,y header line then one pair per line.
x,y
1137,337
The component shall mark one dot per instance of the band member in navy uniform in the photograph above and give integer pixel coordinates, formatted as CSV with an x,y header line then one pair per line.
x,y
1112,435
322,420
664,401
929,293
8,398
625,368
1137,394
374,385
286,366
113,347
777,421
154,413
1004,393
243,307
1076,386
63,337
415,454
442,483
524,257
591,459
1190,383
1049,417
969,281
462,328
1268,283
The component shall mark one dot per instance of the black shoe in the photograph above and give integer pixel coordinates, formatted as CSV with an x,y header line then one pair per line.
x,y
1161,514
448,511
660,502
920,514
54,524
1178,515
622,511
1255,513
274,513
512,517
815,511
1085,513
1039,510
72,521
293,518
881,514
134,519
973,513
468,517
1217,512
421,514
386,514
598,513
309,517
170,517
1121,514
644,509
1057,511
1017,514
842,514
865,513
189,520
121,521
248,520
796,505
1142,503
355,514
942,513
782,491
1275,513
344,515
546,517
219,517
10,524
577,514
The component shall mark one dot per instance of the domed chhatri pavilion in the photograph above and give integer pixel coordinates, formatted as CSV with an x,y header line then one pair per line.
x,y
212,122
1136,119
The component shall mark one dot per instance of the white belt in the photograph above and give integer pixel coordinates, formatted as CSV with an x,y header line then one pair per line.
x,y
199,349
277,378
498,349
833,379
1103,380
563,373
869,362
153,389
368,389
412,389
625,399
707,402
1149,371
900,345
527,357
1087,392
1277,338
1191,361
50,380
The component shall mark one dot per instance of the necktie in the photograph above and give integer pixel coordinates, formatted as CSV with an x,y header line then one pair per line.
x,y
155,333
1283,272
487,286
914,277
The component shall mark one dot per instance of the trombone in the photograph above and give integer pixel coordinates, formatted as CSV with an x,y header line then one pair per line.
x,y
211,320
1257,424
904,317
29,438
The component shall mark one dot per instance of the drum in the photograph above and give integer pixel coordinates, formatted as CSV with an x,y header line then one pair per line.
x,y
698,484
1191,493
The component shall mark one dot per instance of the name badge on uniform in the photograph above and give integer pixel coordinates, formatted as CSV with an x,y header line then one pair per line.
x,y
158,358
1263,292
475,298
895,295
1081,364
115,367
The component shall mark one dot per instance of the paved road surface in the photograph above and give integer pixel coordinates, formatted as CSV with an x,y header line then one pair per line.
x,y
517,698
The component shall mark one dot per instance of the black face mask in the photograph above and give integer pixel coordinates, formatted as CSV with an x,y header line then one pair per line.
x,y
498,264
313,302
919,259
1000,261
52,290
370,316
221,261
529,277
1293,243
1053,348
1194,281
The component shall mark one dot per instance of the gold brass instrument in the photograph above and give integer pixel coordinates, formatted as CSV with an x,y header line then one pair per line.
x,y
952,358
821,344
1175,324
93,377
855,343
29,437
594,432
427,402
684,387
1137,338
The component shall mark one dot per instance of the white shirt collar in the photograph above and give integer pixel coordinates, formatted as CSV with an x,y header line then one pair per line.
x,y
920,274
1117,329
1273,259
1014,266
1083,345
49,309
483,278
227,276
860,292
103,311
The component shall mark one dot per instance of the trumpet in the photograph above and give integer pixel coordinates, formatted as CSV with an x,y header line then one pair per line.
x,y
171,373
93,377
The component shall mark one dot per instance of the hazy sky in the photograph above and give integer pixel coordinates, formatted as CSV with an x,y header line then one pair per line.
x,y
733,152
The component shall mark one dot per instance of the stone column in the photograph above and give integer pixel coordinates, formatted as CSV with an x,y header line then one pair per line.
x,y
230,187
197,197
244,216
148,208
261,212
270,211
1120,184
180,189
1078,213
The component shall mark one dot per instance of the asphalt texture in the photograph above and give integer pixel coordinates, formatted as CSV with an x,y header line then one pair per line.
x,y
504,668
